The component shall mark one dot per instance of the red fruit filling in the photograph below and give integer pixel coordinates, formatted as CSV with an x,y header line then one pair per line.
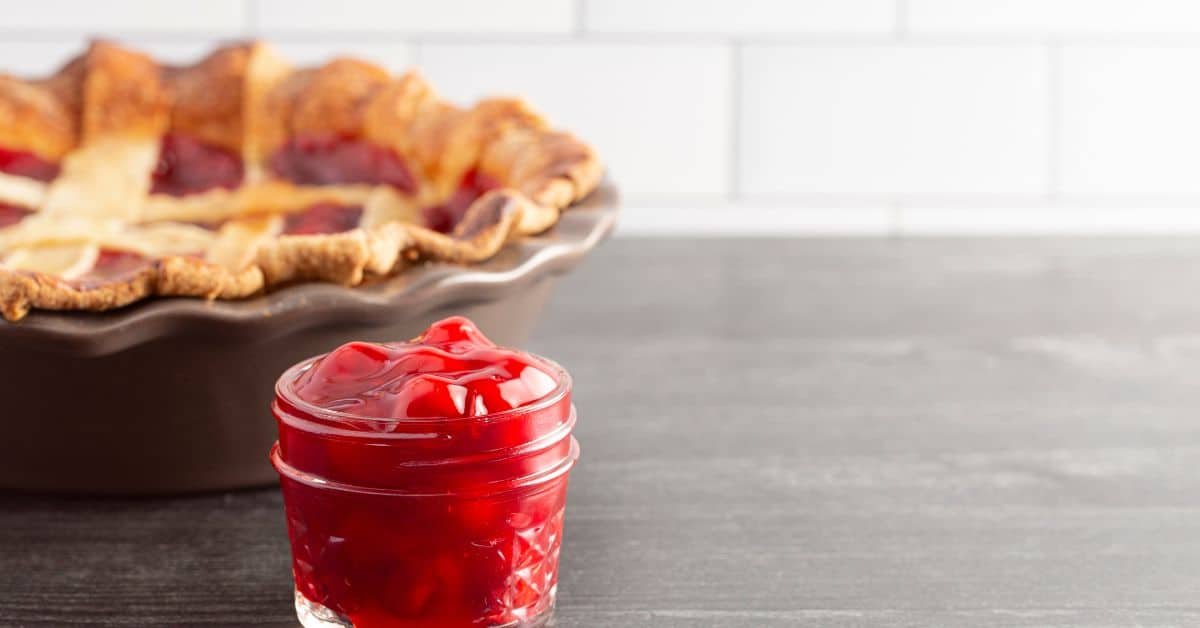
x,y
188,166
26,164
324,218
11,215
473,185
452,370
329,159
453,490
113,265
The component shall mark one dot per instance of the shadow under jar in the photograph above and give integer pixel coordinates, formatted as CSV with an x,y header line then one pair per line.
x,y
422,522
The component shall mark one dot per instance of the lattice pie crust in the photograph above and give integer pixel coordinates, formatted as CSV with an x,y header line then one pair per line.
x,y
121,178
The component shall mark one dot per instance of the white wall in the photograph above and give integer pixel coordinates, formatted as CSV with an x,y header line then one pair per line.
x,y
865,116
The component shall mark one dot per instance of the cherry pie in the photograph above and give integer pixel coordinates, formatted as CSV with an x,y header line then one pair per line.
x,y
121,178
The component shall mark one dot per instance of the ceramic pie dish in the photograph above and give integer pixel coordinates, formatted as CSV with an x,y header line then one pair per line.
x,y
173,395
171,239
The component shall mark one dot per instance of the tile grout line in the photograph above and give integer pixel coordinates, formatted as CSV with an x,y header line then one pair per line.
x,y
418,54
735,121
1054,120
896,212
580,17
250,17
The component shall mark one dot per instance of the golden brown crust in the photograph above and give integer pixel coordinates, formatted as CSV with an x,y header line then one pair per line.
x,y
190,277
408,117
207,97
265,70
332,102
272,196
66,85
244,98
20,292
33,119
325,101
122,94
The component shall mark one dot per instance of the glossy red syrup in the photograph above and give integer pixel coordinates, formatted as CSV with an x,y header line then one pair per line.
x,y
11,215
329,159
444,217
324,218
112,265
26,164
189,166
425,482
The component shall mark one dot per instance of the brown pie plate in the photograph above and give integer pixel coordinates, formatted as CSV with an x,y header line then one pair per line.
x,y
172,395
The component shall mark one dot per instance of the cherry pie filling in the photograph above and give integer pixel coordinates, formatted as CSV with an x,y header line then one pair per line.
x,y
445,216
188,166
11,215
425,482
322,218
113,265
334,159
27,164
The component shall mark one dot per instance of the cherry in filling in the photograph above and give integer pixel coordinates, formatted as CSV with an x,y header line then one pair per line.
x,y
26,164
462,429
444,217
331,159
113,265
323,218
11,215
189,166
452,370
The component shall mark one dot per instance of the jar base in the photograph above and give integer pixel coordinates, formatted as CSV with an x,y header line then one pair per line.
x,y
314,615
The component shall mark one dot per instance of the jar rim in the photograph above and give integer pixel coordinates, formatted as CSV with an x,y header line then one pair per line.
x,y
477,490
284,390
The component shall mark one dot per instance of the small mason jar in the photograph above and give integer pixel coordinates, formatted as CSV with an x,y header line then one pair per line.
x,y
424,522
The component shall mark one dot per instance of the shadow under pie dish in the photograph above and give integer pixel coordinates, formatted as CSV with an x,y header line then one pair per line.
x,y
302,208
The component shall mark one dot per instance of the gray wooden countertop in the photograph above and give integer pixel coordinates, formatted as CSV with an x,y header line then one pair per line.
x,y
786,432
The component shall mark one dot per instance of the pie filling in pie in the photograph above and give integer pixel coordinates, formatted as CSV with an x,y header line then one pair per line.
x,y
123,179
329,160
187,165
323,218
111,265
445,215
11,214
26,164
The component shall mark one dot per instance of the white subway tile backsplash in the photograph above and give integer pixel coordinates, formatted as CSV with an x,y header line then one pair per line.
x,y
1053,16
37,58
126,15
416,16
1130,125
40,57
757,221
747,116
658,114
740,16
894,120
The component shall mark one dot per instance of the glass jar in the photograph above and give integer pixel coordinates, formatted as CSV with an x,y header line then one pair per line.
x,y
424,522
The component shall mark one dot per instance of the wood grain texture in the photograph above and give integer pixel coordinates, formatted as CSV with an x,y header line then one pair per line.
x,y
784,433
